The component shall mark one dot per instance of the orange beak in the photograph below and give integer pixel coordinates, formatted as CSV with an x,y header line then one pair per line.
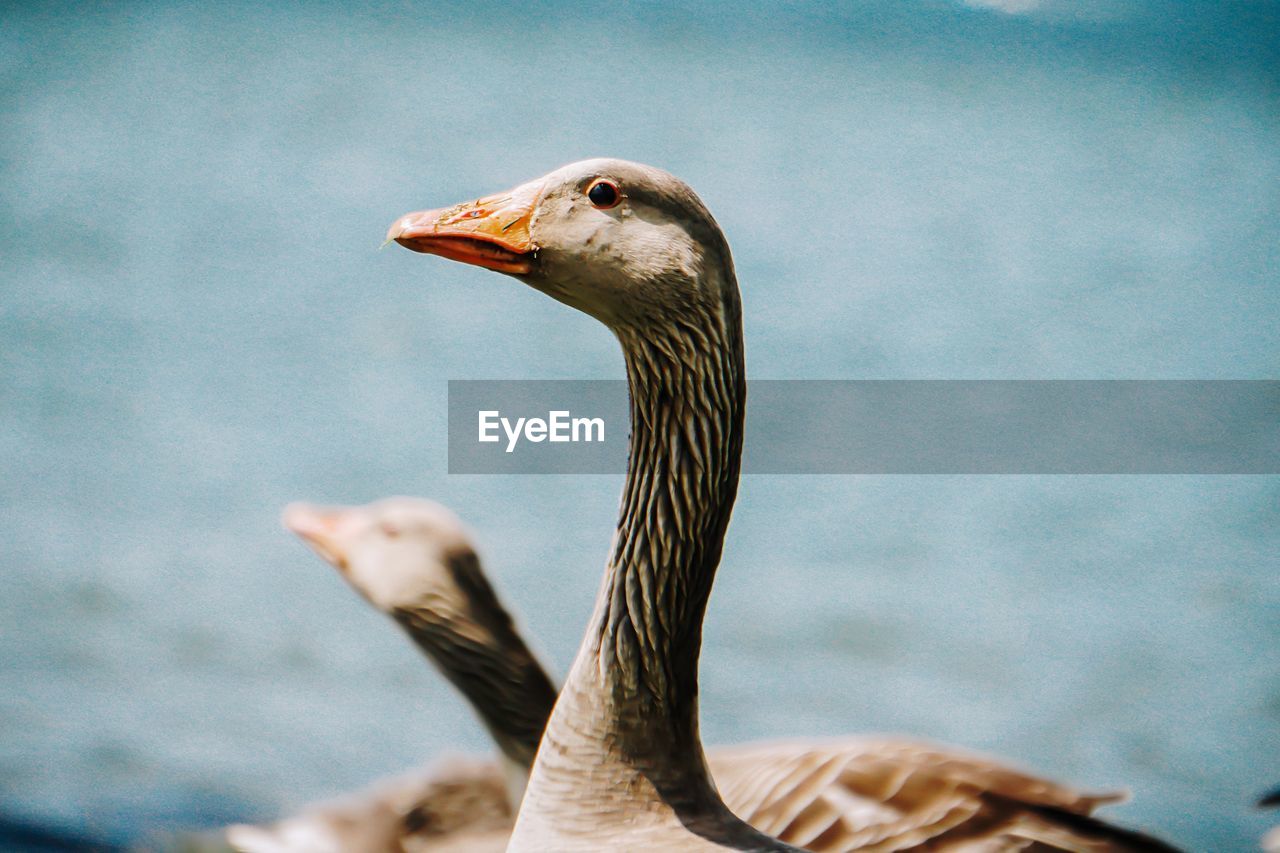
x,y
318,527
490,232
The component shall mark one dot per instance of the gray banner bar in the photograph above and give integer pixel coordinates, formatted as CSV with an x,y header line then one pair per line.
x,y
894,427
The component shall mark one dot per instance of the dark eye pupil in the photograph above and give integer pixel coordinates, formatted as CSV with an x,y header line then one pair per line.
x,y
603,194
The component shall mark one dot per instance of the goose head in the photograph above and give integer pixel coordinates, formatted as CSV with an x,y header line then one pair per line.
x,y
397,552
629,244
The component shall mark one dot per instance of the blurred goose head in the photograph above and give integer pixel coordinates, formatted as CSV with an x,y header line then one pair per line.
x,y
398,553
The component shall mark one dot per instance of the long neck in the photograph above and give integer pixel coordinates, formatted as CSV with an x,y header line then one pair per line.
x,y
622,751
479,650
687,401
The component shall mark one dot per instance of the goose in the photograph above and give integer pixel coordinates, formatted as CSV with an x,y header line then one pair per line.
x,y
414,561
621,764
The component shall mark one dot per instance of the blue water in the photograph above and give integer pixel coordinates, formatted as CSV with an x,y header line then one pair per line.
x,y
197,327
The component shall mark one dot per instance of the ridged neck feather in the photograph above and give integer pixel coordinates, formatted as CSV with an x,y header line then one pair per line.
x,y
687,401
638,665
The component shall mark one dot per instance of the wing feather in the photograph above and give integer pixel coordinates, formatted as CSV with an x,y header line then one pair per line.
x,y
879,794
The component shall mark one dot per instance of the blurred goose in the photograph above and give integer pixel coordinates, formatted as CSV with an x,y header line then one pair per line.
x,y
413,560
621,763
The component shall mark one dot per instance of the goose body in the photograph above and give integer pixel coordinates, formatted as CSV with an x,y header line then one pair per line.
x,y
414,561
457,804
621,764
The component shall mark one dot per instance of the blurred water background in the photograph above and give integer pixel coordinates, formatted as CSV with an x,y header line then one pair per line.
x,y
197,327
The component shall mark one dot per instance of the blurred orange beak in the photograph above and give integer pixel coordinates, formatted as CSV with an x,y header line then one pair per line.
x,y
318,527
490,232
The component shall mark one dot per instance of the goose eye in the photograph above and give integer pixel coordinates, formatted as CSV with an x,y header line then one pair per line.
x,y
604,194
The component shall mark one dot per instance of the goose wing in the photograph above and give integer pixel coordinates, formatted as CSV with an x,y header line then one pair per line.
x,y
887,795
